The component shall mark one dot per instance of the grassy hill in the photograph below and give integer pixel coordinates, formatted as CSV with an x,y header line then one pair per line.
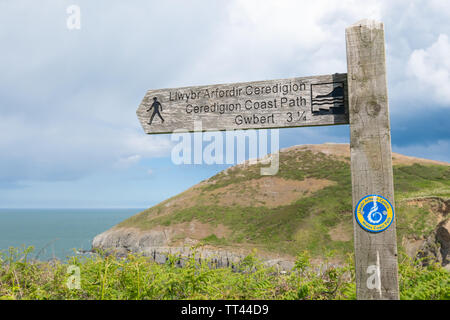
x,y
306,206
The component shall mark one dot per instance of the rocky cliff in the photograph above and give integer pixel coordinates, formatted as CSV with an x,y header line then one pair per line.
x,y
156,245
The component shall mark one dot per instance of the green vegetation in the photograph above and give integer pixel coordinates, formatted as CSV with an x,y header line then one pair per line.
x,y
214,240
419,180
296,165
412,220
136,277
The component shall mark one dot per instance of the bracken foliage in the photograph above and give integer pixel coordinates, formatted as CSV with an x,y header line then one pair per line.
x,y
136,277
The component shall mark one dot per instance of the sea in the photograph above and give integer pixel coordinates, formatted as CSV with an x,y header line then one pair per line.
x,y
56,233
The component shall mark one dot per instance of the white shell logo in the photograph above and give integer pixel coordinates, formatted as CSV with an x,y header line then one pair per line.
x,y
374,213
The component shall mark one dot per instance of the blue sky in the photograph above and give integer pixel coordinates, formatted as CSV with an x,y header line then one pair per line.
x,y
69,133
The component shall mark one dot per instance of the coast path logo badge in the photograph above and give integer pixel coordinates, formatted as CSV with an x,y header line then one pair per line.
x,y
374,213
327,98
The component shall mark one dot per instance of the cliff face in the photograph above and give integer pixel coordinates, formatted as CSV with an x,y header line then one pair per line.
x,y
435,246
306,206
156,245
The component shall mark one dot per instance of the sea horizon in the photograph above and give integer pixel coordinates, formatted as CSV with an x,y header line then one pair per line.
x,y
57,232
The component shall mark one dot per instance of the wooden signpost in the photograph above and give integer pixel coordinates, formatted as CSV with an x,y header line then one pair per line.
x,y
371,160
358,98
296,102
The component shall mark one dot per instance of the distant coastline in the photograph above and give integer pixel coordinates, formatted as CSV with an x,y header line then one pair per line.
x,y
56,233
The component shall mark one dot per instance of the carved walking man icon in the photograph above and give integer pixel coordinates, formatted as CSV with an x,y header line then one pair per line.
x,y
155,106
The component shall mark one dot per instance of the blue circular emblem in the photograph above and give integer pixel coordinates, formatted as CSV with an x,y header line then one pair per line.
x,y
374,213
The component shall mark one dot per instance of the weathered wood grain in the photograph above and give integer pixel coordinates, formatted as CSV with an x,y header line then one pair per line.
x,y
371,162
293,102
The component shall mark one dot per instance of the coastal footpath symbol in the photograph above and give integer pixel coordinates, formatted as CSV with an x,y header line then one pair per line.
x,y
329,103
374,213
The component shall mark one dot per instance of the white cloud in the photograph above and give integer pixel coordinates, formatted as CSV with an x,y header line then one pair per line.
x,y
126,162
68,99
146,145
431,67
61,149
266,39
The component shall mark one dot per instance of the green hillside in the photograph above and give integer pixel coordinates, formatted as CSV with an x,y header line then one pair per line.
x,y
306,206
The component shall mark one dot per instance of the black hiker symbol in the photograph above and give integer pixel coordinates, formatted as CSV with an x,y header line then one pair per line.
x,y
155,106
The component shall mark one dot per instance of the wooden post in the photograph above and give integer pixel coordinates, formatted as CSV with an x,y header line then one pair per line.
x,y
371,161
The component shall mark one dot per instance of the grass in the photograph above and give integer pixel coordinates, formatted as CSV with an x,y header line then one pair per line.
x,y
136,278
417,180
214,240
